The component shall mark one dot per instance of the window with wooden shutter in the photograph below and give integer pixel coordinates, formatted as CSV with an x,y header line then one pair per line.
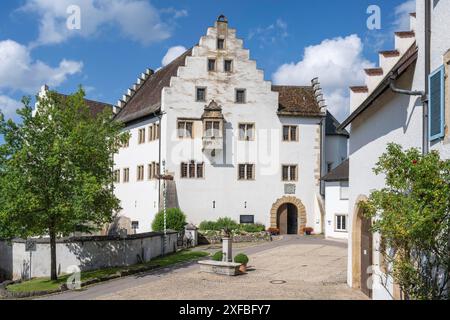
x,y
126,175
141,136
246,172
192,169
436,104
200,170
184,170
140,173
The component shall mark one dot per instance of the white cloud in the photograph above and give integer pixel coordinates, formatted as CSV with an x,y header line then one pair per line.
x,y
9,106
269,34
402,17
19,72
172,54
338,63
137,20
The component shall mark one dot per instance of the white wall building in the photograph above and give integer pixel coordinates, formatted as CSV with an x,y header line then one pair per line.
x,y
336,202
236,145
381,116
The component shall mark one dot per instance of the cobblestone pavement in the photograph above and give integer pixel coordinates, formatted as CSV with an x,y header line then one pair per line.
x,y
291,270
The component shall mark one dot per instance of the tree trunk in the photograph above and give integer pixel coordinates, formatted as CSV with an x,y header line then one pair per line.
x,y
53,274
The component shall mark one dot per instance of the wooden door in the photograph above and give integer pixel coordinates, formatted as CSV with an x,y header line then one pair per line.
x,y
366,257
282,219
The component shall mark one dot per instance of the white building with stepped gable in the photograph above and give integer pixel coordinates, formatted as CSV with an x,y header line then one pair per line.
x,y
236,145
380,115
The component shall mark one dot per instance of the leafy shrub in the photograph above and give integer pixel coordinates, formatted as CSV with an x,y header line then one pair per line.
x,y
218,256
241,258
252,228
219,225
176,220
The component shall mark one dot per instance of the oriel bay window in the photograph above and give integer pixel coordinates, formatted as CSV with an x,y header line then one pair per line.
x,y
289,173
192,170
185,129
246,172
246,131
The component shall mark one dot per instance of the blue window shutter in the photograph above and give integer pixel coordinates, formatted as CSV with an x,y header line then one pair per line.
x,y
436,104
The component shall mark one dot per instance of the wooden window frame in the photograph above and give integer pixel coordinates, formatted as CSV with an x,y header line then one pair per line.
x,y
184,136
289,168
214,69
246,165
246,137
225,61
219,130
236,95
204,96
340,215
140,178
126,175
141,136
289,127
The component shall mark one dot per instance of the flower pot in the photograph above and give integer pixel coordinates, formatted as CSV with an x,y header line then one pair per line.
x,y
308,233
243,268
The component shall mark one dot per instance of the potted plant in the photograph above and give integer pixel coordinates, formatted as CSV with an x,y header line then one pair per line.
x,y
243,260
309,231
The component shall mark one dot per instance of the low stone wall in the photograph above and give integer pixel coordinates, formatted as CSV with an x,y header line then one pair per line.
x,y
87,253
214,238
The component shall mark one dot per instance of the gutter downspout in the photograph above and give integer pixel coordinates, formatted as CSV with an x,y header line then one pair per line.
x,y
427,74
159,116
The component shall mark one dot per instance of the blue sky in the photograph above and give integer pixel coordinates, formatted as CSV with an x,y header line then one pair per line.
x,y
120,38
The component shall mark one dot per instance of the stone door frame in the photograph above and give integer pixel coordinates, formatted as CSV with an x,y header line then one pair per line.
x,y
301,212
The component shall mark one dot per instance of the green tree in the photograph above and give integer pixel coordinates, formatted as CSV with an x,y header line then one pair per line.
x,y
175,219
55,170
412,216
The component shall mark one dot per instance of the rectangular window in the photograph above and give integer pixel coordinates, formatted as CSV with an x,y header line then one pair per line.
x,y
185,129
157,131
240,95
184,170
246,172
246,132
289,172
150,133
201,94
220,44
150,171
341,223
126,175
140,173
200,167
211,65
344,193
141,136
436,104
192,169
228,65
126,144
116,176
212,129
290,133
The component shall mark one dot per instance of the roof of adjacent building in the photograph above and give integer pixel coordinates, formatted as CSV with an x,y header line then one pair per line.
x,y
332,125
297,101
407,60
147,99
95,107
340,173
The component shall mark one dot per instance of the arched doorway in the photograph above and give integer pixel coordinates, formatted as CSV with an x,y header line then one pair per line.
x,y
362,250
289,215
287,219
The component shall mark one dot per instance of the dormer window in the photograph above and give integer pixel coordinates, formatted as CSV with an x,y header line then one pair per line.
x,y
220,44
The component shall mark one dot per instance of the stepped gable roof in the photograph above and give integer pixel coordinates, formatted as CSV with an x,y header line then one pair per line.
x,y
147,99
340,173
297,101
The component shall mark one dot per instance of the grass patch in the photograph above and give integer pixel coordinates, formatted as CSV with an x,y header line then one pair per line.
x,y
45,284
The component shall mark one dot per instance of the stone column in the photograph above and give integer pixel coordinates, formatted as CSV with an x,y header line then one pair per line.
x,y
227,249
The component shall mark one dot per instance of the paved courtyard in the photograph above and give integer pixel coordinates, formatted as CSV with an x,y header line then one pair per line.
x,y
293,268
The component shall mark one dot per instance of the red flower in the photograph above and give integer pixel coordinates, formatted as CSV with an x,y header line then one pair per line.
x,y
414,162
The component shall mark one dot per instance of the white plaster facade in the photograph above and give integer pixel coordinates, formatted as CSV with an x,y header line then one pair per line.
x,y
219,193
392,118
336,206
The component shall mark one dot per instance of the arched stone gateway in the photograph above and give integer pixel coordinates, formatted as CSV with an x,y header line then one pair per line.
x,y
288,207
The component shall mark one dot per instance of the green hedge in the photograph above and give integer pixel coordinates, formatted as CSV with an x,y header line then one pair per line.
x,y
176,220
232,225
